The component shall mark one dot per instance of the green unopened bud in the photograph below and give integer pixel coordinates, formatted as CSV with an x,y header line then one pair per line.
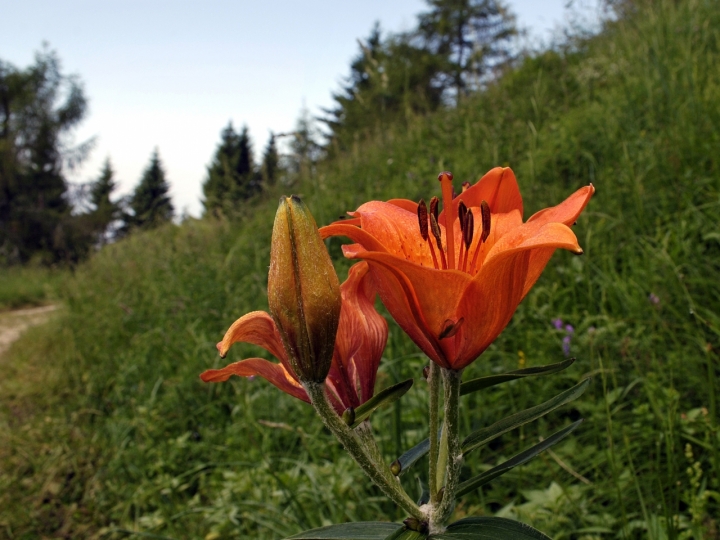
x,y
303,291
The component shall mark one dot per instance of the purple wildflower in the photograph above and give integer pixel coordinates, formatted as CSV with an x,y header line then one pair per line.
x,y
654,299
557,323
566,345
569,329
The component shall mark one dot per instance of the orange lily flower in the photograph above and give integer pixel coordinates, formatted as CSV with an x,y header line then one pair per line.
x,y
455,297
361,338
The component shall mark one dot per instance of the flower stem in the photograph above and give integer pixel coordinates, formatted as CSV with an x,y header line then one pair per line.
x,y
434,384
379,473
444,508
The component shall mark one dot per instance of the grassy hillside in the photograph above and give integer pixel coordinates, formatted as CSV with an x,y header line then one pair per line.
x,y
107,431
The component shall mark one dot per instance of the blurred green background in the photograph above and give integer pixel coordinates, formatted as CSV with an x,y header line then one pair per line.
x,y
107,432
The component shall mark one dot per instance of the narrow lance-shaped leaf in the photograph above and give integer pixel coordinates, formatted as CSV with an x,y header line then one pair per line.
x,y
364,530
404,462
519,459
485,435
353,417
407,534
491,380
486,528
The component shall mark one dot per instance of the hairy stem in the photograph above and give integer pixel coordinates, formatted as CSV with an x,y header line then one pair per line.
x,y
451,386
378,472
434,383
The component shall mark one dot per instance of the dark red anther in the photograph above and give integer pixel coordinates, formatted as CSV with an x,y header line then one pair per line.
x,y
462,212
438,238
450,328
436,231
485,212
468,230
422,213
465,186
434,203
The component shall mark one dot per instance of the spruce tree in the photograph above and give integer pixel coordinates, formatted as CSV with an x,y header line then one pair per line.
x,y
232,177
104,211
150,203
218,185
270,162
470,36
39,106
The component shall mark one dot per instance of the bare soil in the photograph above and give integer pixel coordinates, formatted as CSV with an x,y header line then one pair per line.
x,y
14,323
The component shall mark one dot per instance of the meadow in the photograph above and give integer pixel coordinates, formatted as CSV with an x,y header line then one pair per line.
x,y
106,430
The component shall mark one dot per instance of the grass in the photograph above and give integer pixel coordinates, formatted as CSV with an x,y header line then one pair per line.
x,y
22,287
107,431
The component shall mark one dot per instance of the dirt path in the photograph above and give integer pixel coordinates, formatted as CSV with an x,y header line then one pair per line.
x,y
14,323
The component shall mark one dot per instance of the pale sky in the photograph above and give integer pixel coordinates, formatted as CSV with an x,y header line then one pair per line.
x,y
171,73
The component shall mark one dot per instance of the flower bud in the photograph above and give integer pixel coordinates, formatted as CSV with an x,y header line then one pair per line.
x,y
303,291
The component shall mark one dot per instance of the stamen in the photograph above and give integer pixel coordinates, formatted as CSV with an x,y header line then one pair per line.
x,y
465,186
445,179
486,220
434,202
462,212
468,232
423,222
423,219
436,233
450,328
485,212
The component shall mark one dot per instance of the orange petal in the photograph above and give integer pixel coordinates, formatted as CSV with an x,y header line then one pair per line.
x,y
396,229
488,305
355,234
438,291
498,187
405,204
399,298
359,303
273,373
258,328
528,236
567,211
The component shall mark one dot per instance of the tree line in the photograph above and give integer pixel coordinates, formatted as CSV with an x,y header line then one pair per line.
x,y
454,50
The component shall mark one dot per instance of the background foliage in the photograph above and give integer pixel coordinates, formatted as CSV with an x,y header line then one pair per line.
x,y
107,431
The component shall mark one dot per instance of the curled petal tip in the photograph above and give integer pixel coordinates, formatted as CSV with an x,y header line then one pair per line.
x,y
221,350
578,251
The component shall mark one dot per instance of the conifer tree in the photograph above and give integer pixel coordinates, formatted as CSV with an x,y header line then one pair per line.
x,y
470,36
232,177
270,162
104,211
150,203
39,106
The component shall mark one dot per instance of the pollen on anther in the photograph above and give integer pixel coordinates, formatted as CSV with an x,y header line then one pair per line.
x,y
422,213
486,219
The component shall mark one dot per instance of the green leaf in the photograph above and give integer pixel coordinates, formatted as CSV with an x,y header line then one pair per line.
x,y
363,530
485,382
519,459
387,396
485,435
407,534
489,528
404,462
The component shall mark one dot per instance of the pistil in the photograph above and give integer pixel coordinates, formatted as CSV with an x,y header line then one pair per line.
x,y
445,179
